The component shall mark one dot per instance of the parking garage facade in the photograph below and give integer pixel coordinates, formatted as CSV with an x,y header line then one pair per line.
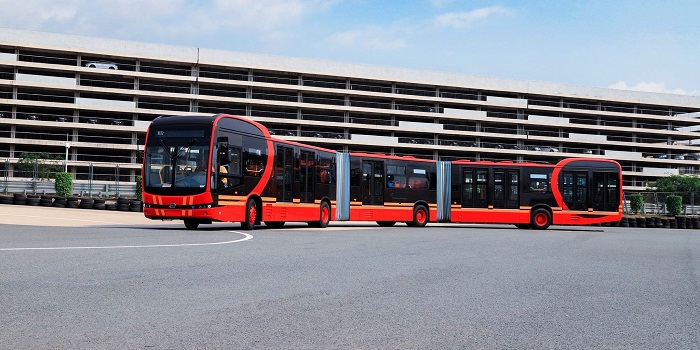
x,y
90,100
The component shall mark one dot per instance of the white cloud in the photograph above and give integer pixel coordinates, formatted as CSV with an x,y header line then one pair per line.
x,y
165,18
264,16
33,14
371,37
468,19
659,87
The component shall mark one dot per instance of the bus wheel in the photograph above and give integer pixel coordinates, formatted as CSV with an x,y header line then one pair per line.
x,y
523,226
540,219
251,214
420,217
191,224
325,213
274,224
386,223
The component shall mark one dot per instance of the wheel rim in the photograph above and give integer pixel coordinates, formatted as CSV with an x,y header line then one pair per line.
x,y
420,216
252,213
541,219
325,215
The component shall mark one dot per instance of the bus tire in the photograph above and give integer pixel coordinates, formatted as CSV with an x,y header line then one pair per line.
x,y
386,223
420,216
191,224
325,216
251,214
523,226
540,219
274,224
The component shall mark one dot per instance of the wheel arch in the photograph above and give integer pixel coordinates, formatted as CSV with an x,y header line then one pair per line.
x,y
327,200
421,202
258,203
542,206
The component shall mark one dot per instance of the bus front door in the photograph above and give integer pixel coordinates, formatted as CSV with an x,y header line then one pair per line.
x,y
372,182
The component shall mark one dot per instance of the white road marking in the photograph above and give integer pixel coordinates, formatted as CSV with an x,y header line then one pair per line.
x,y
64,219
335,228
246,238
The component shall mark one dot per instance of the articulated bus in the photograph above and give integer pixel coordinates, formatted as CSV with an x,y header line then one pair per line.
x,y
222,168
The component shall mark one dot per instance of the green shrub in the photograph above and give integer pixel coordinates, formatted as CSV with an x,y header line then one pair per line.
x,y
64,184
674,205
636,202
137,190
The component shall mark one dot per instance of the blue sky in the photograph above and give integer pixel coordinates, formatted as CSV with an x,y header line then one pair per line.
x,y
637,45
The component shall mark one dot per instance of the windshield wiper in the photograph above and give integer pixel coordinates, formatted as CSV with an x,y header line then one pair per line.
x,y
179,151
167,150
187,147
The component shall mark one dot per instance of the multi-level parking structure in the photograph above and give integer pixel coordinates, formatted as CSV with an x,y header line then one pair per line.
x,y
99,95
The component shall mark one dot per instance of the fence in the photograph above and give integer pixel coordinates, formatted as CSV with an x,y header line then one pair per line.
x,y
655,202
38,177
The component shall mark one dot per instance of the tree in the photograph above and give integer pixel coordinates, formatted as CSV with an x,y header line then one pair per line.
x,y
46,165
678,183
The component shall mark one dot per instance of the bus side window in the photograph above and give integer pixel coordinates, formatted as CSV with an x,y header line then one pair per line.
x,y
325,171
355,177
229,168
538,183
234,165
254,165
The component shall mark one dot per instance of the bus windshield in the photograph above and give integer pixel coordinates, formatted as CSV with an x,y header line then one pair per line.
x,y
177,158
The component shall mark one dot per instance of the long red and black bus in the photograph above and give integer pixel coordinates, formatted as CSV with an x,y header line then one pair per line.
x,y
203,169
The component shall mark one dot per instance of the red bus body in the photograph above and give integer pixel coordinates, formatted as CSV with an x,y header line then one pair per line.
x,y
203,169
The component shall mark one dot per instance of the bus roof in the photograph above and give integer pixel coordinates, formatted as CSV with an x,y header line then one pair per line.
x,y
384,156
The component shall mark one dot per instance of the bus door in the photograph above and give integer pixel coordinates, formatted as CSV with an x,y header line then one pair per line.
x,y
307,164
475,186
499,188
506,188
575,189
373,182
284,172
605,193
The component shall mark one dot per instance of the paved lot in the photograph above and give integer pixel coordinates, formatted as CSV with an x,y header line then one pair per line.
x,y
156,285
49,216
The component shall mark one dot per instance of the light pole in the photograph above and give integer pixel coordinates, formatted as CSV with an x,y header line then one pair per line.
x,y
66,163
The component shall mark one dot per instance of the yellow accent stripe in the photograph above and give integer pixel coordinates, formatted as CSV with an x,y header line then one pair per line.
x,y
234,198
295,205
479,210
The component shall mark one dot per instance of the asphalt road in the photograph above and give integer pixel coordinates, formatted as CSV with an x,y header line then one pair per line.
x,y
443,287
